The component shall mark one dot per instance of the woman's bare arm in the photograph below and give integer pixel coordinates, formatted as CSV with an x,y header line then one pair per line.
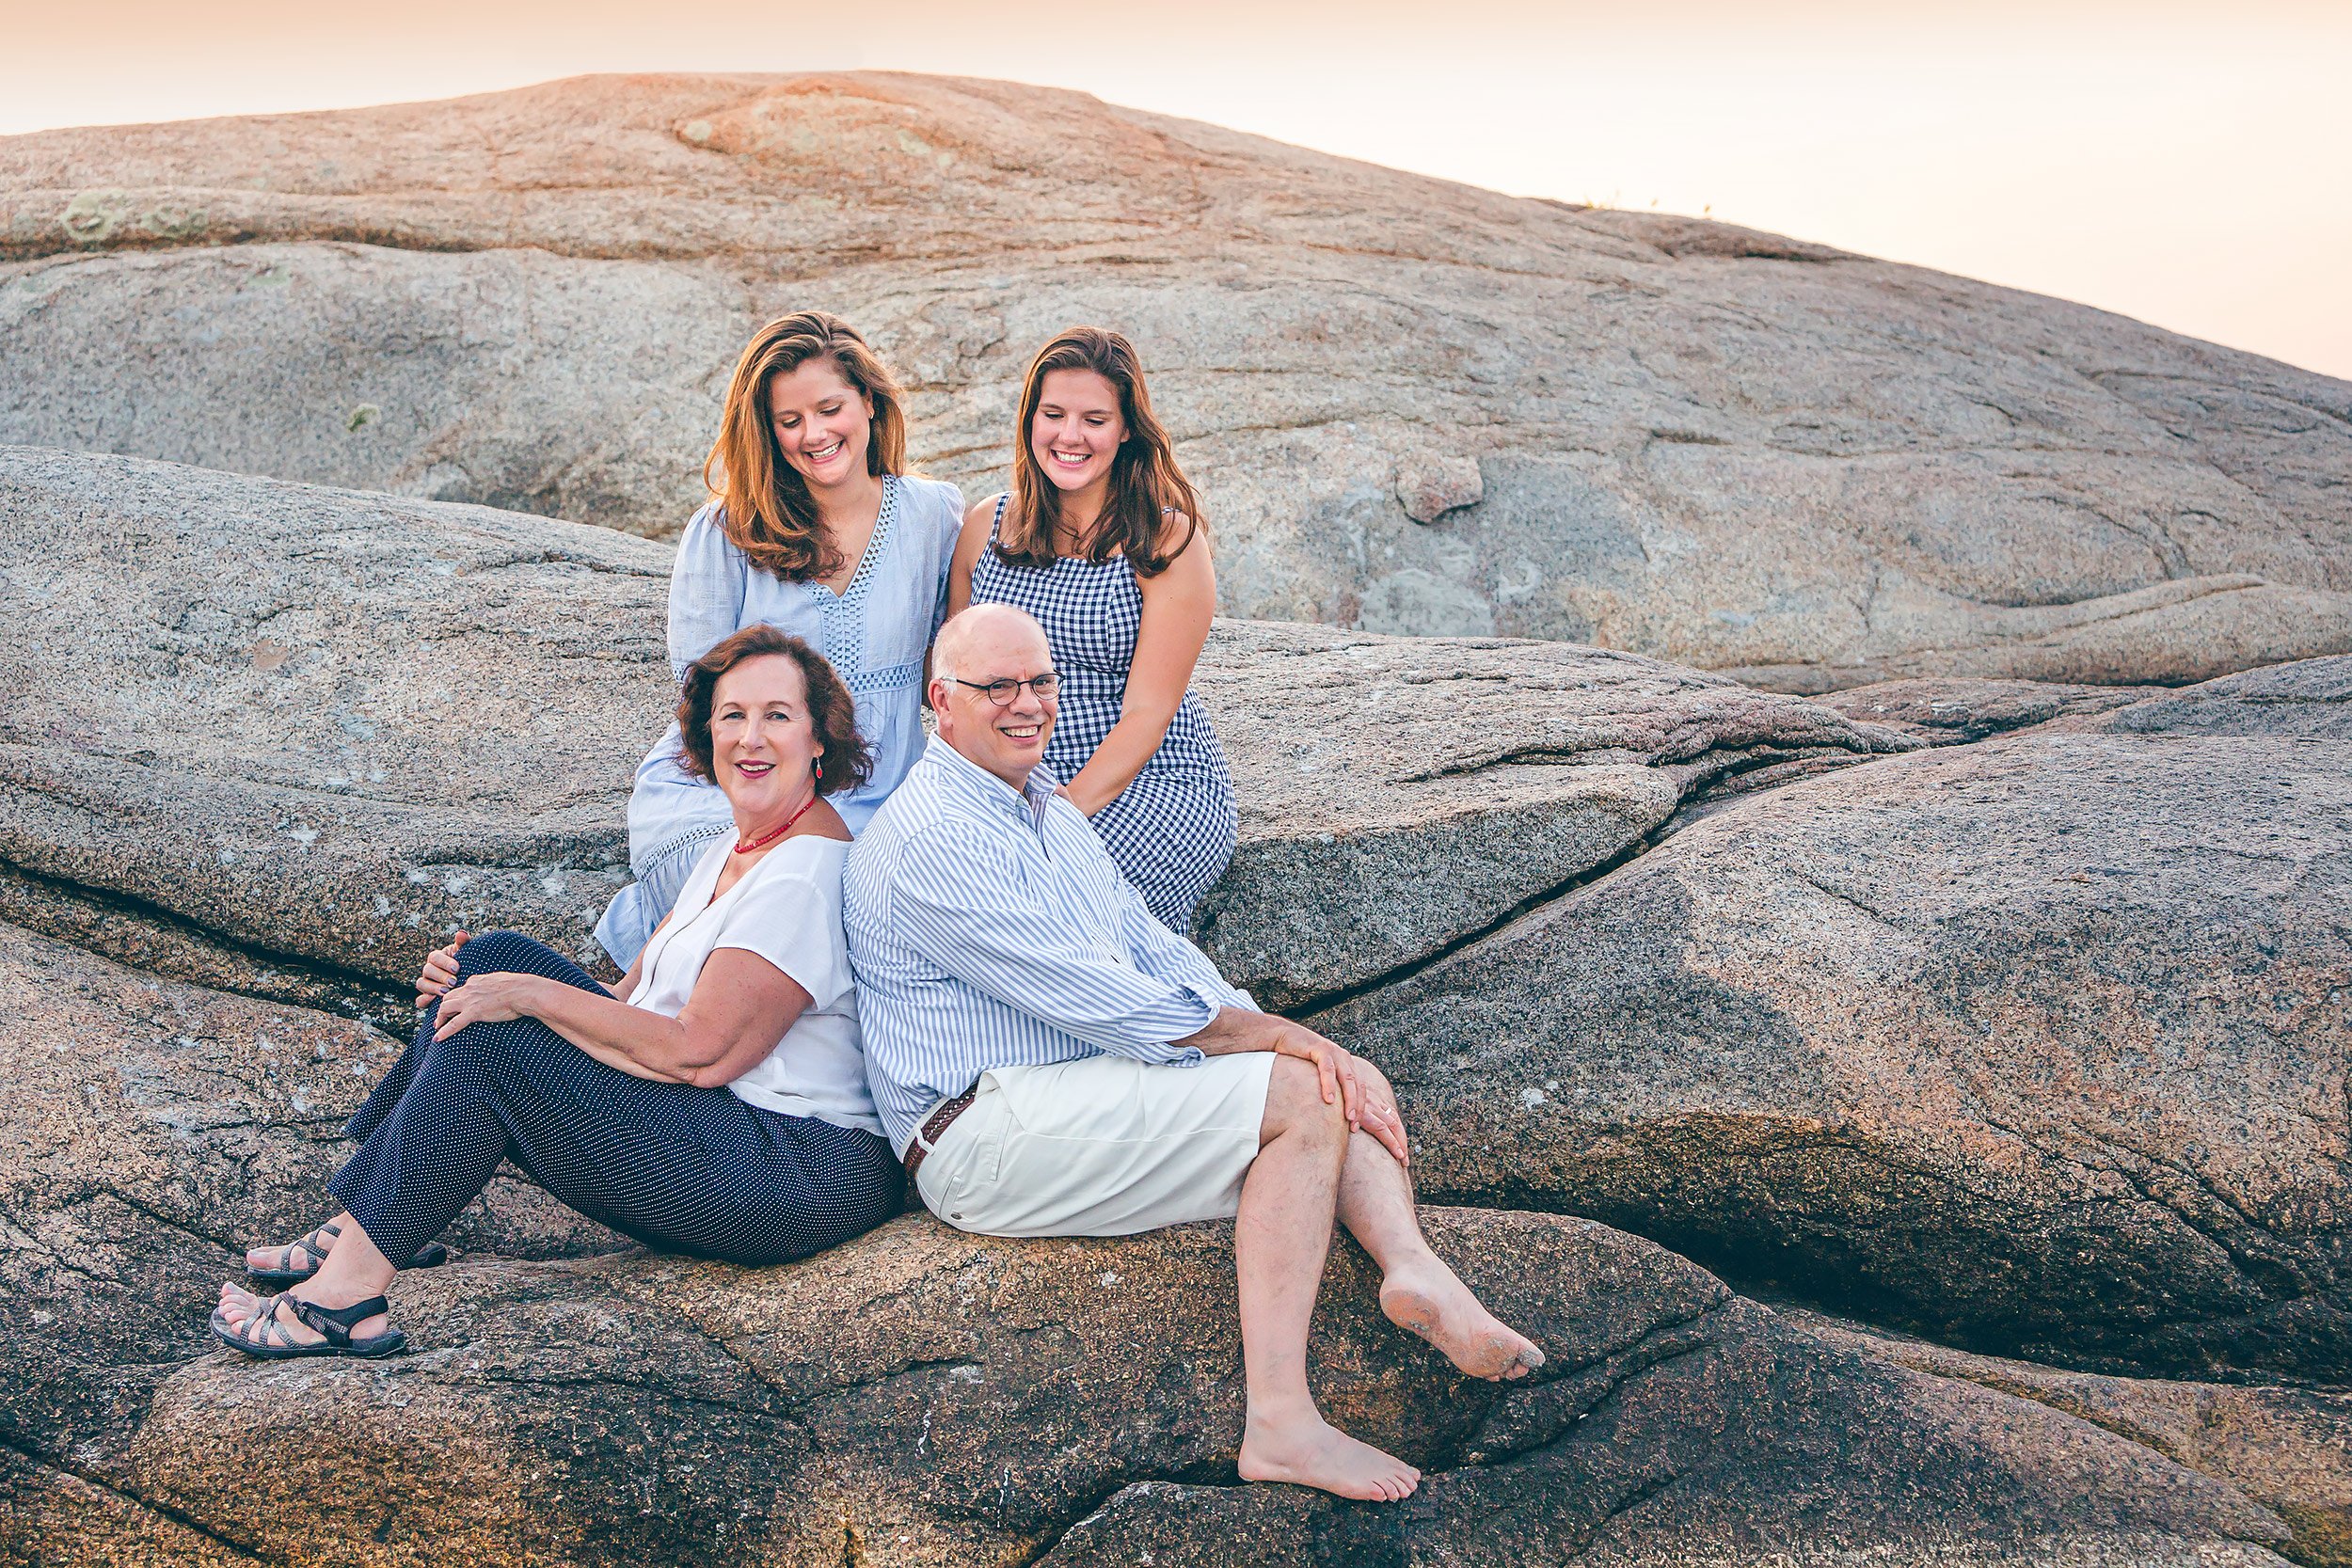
x,y
1178,605
628,987
740,1008
977,524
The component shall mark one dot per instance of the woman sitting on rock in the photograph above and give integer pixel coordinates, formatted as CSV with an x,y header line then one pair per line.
x,y
815,528
722,1111
1100,539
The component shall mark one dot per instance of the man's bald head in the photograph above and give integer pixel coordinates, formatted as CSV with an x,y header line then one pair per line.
x,y
994,642
975,635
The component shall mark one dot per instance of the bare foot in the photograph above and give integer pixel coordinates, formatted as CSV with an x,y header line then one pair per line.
x,y
1311,1451
1429,1299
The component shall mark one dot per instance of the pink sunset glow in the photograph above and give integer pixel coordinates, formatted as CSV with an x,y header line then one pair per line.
x,y
2182,163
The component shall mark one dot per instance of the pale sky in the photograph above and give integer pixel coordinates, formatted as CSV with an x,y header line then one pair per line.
x,y
2186,164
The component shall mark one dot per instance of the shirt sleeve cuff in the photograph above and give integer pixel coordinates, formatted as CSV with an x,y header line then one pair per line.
x,y
1208,1005
1194,1010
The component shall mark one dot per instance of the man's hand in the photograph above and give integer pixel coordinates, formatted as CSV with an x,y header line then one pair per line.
x,y
1381,1117
1348,1081
1341,1084
486,999
440,970
1365,1095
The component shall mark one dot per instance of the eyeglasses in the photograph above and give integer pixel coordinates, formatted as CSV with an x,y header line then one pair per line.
x,y
1002,691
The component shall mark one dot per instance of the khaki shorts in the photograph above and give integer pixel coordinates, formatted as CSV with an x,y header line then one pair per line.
x,y
1099,1147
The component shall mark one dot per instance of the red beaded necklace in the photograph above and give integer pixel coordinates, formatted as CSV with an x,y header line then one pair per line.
x,y
745,847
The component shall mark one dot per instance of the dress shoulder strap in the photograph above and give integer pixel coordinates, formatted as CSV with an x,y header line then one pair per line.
x,y
996,523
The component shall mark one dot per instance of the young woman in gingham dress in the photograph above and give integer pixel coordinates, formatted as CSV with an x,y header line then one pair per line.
x,y
1100,538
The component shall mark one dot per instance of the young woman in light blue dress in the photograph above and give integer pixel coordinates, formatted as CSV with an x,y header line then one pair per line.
x,y
814,527
1101,539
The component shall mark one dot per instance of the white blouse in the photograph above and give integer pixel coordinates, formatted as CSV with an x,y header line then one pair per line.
x,y
787,909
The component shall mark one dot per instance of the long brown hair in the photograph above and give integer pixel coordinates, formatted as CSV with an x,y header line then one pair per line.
x,y
1145,483
765,505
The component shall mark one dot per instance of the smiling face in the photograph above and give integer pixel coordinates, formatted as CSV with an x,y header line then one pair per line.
x,y
763,747
990,642
822,422
1077,429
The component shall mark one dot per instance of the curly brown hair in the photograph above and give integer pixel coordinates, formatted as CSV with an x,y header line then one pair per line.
x,y
765,506
844,760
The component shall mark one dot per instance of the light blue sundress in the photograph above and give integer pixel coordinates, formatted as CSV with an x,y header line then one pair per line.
x,y
874,633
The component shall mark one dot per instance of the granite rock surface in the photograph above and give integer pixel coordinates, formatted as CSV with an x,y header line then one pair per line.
x,y
151,1131
274,726
2288,1448
2009,1013
917,1396
2038,1044
1958,711
1412,406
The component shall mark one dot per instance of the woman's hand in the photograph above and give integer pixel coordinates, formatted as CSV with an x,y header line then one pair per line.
x,y
488,999
440,970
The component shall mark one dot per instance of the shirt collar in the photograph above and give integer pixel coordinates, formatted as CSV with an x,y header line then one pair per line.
x,y
982,788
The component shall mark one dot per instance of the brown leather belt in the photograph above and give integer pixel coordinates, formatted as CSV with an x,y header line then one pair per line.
x,y
936,1123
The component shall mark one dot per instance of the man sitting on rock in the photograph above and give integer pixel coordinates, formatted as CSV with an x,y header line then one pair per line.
x,y
1050,1060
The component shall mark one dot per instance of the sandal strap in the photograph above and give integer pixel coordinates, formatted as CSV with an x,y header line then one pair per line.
x,y
336,1323
310,1244
259,1328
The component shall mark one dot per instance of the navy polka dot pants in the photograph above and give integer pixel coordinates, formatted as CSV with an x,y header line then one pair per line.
x,y
680,1168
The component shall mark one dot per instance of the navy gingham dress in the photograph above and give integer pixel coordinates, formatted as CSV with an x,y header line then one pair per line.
x,y
1172,830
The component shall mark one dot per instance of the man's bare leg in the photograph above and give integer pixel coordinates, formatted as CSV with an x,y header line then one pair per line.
x,y
1418,1292
1280,1239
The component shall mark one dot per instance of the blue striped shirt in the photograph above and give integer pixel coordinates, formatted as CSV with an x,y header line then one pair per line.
x,y
988,928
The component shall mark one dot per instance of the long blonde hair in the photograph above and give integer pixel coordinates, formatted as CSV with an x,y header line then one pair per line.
x,y
1146,486
765,505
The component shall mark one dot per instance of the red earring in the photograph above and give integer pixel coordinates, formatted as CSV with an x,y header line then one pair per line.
x,y
820,769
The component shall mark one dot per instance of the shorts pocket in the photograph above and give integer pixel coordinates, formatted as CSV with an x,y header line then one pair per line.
x,y
974,1161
